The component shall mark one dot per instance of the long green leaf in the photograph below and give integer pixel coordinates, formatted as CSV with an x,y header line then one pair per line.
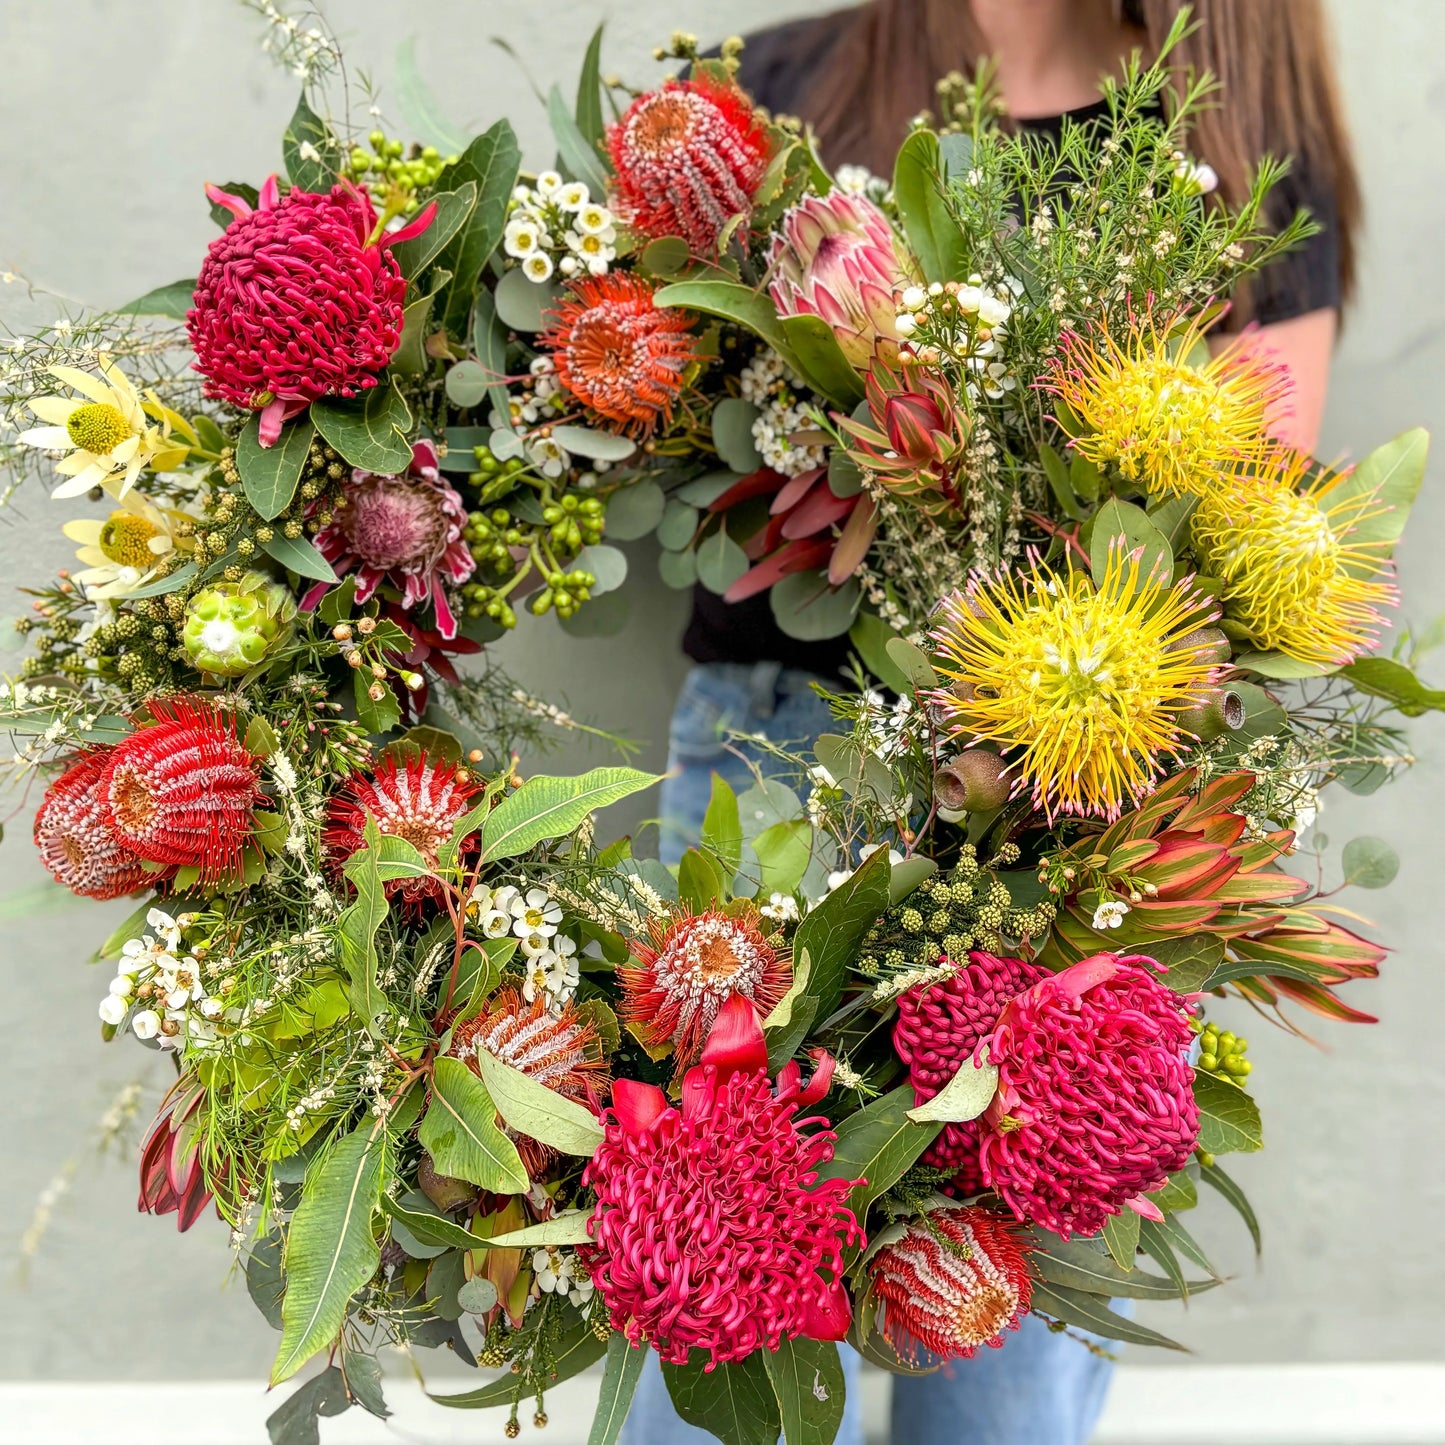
x,y
1216,1178
299,555
489,346
1392,474
454,209
430,1228
722,829
824,366
579,157
965,1096
531,1108
878,1144
1091,1312
491,162
418,107
270,475
1121,1237
733,302
589,93
930,231
312,153
460,1132
807,1378
735,1402
1080,1265
568,1228
330,1249
359,922
832,932
619,1383
173,301
546,807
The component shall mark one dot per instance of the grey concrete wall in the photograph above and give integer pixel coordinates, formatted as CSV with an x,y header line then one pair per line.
x,y
113,113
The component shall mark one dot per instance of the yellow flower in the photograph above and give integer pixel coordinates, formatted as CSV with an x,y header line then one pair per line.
x,y
1165,425
105,431
1294,580
126,550
1082,685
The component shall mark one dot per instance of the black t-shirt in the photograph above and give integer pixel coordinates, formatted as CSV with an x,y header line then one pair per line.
x,y
777,68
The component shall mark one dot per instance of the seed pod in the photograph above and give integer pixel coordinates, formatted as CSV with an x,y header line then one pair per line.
x,y
973,782
1213,713
1208,644
448,1194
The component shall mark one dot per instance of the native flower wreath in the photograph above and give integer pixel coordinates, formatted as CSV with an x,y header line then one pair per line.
x,y
914,1041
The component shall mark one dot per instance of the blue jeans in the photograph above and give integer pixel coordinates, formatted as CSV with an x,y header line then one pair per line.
x,y
1040,1388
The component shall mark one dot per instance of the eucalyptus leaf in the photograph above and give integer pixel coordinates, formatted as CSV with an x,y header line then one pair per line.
x,y
586,441
580,157
459,1131
524,304
732,434
549,807
418,107
677,569
531,1108
634,510
607,564
1370,863
807,608
720,561
467,383
679,522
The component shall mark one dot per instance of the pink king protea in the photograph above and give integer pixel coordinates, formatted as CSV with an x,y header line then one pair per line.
x,y
710,1229
296,300
836,257
1095,1104
404,530
939,1027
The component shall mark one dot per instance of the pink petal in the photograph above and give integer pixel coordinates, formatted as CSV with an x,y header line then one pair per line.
x,y
637,1105
736,1043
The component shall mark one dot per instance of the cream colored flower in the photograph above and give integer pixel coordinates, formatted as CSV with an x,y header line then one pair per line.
x,y
105,431
124,550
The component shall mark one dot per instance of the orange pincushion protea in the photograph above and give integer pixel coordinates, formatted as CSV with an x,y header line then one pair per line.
x,y
690,966
619,354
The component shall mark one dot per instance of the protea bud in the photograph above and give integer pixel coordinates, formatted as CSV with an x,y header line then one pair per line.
x,y
1208,644
836,257
230,627
973,782
914,439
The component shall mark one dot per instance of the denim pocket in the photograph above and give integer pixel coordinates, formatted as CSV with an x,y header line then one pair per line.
x,y
706,707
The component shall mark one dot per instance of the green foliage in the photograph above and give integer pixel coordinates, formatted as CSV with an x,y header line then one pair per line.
x,y
1228,1117
831,932
545,807
807,1378
270,475
619,1383
878,1144
459,1131
373,432
540,1113
735,1402
929,229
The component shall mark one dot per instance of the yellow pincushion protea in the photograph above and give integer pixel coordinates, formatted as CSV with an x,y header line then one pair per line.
x,y
1168,427
1294,580
1082,686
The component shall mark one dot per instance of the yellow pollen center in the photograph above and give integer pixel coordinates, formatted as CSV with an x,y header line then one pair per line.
x,y
98,427
125,539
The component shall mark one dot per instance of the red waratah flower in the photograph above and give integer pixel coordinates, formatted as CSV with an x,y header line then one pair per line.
x,y
1095,1104
619,354
183,790
939,1027
956,1279
691,964
561,1050
709,1230
418,800
172,1180
688,157
403,530
297,301
75,839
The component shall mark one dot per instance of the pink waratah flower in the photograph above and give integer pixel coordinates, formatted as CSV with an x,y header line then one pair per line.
x,y
1095,1105
403,530
711,1230
836,257
954,1280
297,299
940,1025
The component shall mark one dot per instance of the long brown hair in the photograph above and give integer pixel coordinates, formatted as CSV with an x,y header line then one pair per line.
x,y
1272,58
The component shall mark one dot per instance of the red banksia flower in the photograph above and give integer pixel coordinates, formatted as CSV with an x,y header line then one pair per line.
x,y
172,1180
1095,1104
560,1050
690,966
938,1029
710,1229
688,157
183,790
295,300
955,1280
417,800
620,355
75,839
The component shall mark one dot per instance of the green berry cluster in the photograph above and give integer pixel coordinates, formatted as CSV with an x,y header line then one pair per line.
x,y
948,915
1222,1054
509,547
143,647
53,631
393,175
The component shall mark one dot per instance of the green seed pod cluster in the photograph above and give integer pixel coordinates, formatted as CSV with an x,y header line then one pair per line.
x,y
393,175
231,626
1222,1054
947,915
